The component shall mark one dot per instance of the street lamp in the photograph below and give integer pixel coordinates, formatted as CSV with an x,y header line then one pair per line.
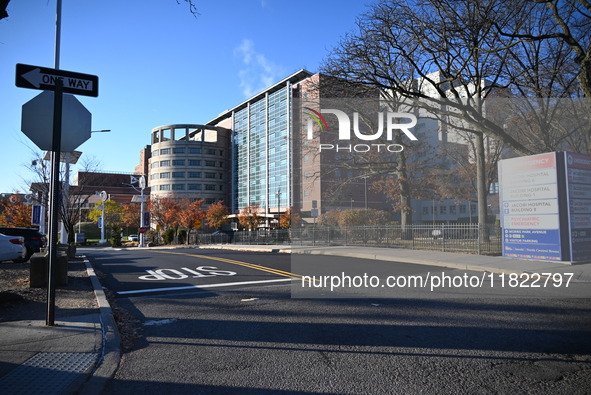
x,y
142,184
278,194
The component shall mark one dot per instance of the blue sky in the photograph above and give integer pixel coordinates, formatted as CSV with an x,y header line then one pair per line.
x,y
157,64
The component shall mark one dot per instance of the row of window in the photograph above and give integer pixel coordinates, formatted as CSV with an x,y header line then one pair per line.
x,y
183,162
444,209
188,174
190,150
190,187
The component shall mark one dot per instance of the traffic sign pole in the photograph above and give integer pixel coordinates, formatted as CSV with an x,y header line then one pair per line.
x,y
54,203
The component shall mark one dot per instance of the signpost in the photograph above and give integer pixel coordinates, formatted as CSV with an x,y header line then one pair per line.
x,y
45,79
46,112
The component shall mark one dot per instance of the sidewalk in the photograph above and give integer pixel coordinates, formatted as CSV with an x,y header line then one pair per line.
x,y
79,354
582,272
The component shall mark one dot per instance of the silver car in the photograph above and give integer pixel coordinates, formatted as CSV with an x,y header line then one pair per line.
x,y
12,248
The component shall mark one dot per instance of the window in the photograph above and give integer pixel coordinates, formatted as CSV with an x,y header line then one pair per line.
x,y
209,175
194,150
194,174
210,163
463,209
194,187
210,151
165,187
165,151
209,187
178,150
178,187
165,175
178,162
194,162
178,174
425,210
154,165
164,163
452,209
443,209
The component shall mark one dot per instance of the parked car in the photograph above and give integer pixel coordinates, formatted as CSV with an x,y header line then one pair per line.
x,y
34,240
133,238
12,248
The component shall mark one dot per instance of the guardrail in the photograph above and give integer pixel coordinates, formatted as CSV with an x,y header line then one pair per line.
x,y
469,238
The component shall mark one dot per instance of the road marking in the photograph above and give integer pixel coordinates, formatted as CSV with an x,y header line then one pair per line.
x,y
234,262
140,291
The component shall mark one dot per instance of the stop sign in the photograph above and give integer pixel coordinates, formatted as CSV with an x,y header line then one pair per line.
x,y
37,121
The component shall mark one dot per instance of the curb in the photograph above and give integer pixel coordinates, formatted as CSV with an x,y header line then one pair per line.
x,y
111,352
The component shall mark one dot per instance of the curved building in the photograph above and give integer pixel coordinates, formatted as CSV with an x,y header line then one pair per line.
x,y
190,161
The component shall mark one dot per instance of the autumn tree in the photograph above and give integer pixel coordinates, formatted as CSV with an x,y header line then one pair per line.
x,y
249,217
113,219
164,212
217,215
289,219
14,212
131,214
191,215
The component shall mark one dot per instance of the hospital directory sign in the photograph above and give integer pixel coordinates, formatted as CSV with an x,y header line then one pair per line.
x,y
530,210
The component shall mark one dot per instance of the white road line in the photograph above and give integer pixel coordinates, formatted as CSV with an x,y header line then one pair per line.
x,y
141,291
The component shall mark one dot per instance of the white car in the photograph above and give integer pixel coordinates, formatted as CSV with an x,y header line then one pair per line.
x,y
12,248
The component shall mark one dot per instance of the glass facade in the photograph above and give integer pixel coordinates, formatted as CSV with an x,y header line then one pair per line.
x,y
261,162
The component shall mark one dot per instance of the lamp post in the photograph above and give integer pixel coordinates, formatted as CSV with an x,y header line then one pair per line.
x,y
365,179
278,194
142,184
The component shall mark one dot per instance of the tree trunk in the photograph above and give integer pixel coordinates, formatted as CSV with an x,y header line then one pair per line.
x,y
481,187
404,187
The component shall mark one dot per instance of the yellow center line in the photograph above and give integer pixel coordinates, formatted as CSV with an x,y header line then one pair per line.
x,y
235,262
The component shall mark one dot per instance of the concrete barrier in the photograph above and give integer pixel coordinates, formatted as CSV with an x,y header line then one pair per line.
x,y
38,269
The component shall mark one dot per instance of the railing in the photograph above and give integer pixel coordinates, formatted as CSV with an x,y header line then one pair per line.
x,y
469,238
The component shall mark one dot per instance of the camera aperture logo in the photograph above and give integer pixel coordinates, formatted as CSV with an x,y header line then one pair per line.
x,y
390,122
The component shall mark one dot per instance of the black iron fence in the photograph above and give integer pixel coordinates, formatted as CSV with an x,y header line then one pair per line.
x,y
469,238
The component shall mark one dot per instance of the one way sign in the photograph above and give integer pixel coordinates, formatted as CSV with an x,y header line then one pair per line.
x,y
42,78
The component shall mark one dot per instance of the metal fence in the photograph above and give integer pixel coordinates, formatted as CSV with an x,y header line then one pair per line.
x,y
469,238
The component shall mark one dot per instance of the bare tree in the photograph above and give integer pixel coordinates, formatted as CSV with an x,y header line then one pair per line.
x,y
70,212
440,54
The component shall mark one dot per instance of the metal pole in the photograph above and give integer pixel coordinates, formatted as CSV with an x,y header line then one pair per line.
x,y
142,217
103,224
54,202
365,179
54,178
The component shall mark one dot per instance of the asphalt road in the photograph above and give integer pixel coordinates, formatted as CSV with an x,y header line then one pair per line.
x,y
226,322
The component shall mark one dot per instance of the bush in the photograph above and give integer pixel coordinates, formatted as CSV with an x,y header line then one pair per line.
x,y
168,236
182,236
116,239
